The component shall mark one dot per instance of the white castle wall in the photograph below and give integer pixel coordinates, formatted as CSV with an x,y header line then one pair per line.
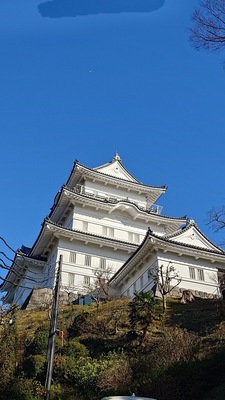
x,y
141,279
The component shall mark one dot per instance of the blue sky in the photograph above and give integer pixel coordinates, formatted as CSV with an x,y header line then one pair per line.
x,y
84,79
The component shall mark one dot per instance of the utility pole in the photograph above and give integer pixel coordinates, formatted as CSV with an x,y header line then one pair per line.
x,y
52,331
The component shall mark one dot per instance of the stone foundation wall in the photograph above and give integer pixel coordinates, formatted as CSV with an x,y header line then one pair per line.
x,y
177,293
42,299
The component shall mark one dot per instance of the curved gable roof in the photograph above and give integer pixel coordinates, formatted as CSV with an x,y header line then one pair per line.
x,y
152,240
116,168
51,230
80,170
193,236
63,203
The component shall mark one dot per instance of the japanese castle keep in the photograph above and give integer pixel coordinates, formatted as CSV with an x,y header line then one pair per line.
x,y
104,218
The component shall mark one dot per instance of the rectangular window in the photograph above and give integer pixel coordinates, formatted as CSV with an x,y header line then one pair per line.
x,y
133,237
192,272
85,226
134,287
102,264
71,279
128,292
87,280
108,231
200,274
111,232
73,257
87,260
141,281
136,238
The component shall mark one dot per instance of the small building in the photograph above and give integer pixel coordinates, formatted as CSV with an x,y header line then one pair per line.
x,y
104,219
195,263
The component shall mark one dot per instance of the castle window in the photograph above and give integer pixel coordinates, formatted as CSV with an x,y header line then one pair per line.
x,y
133,237
108,231
192,272
111,232
71,279
87,260
72,258
87,280
102,264
85,226
200,274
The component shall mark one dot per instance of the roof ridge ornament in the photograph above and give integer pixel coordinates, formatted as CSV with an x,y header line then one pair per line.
x,y
191,221
117,157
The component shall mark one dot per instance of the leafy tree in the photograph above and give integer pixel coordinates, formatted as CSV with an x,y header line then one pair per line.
x,y
142,311
208,30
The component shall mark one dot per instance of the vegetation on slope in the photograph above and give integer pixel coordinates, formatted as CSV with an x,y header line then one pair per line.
x,y
123,347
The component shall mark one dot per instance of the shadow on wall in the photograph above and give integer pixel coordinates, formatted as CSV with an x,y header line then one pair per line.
x,y
74,8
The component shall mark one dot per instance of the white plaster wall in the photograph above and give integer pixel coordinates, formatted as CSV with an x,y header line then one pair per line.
x,y
181,266
135,282
50,270
21,295
111,191
114,261
122,223
69,221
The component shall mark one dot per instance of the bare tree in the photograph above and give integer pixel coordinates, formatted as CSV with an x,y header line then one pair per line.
x,y
163,277
208,31
217,219
100,289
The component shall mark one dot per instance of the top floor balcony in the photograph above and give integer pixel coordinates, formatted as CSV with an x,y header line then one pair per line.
x,y
155,209
82,189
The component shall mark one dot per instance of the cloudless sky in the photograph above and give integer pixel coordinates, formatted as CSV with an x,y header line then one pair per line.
x,y
84,79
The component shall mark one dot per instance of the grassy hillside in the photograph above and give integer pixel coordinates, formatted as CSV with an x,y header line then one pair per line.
x,y
177,355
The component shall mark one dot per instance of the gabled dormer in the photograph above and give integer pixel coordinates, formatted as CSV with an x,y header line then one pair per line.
x,y
191,235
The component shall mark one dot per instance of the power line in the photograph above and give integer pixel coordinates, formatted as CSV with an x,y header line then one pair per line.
x,y
8,258
7,245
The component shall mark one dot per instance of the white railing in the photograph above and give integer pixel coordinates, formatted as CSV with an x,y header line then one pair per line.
x,y
155,209
81,189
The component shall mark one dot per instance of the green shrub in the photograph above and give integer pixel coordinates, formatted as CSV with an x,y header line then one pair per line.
x,y
23,389
81,324
115,374
176,345
39,344
8,353
73,348
33,366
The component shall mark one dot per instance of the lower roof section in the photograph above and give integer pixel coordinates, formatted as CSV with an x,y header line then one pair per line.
x,y
51,232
